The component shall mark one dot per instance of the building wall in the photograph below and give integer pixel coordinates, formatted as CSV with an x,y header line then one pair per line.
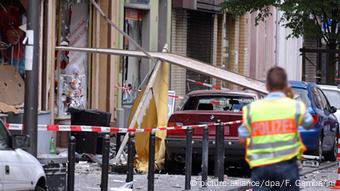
x,y
164,27
268,46
243,46
237,33
178,46
288,52
103,68
219,45
262,46
149,36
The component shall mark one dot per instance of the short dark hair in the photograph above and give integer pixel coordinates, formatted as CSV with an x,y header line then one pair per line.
x,y
276,78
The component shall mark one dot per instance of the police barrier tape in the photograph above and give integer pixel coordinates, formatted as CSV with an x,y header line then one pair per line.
x,y
125,87
337,182
98,129
215,87
176,97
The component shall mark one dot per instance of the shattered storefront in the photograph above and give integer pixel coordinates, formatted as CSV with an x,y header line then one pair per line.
x,y
12,55
131,66
71,67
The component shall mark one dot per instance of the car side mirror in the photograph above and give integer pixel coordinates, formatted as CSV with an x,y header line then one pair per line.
x,y
21,141
333,109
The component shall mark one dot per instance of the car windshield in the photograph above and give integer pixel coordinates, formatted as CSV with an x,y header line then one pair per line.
x,y
4,138
217,103
303,95
333,97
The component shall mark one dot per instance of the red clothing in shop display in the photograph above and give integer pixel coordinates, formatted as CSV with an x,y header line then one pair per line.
x,y
10,33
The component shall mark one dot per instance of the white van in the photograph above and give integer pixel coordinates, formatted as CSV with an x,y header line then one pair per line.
x,y
19,170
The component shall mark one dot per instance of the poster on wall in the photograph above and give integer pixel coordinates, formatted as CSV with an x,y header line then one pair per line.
x,y
72,91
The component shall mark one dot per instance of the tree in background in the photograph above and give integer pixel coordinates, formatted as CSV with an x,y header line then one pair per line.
x,y
317,19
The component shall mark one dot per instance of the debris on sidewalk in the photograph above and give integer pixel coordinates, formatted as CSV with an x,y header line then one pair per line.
x,y
85,168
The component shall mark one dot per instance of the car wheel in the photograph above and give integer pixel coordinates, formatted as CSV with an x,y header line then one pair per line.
x,y
173,167
38,188
332,155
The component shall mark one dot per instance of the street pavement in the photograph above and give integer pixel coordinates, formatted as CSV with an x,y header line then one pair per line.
x,y
88,177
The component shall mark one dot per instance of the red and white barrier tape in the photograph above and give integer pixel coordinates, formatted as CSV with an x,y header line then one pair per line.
x,y
97,129
176,97
337,182
216,87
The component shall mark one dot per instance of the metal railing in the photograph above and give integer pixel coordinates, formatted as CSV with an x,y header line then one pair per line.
x,y
219,158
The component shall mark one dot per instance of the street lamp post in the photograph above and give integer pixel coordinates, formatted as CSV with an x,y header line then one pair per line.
x,y
32,73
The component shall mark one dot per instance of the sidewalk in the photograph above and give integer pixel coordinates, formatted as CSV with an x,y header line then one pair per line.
x,y
88,177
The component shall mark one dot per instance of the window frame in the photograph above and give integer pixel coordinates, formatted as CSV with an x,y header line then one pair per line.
x,y
333,91
317,98
323,96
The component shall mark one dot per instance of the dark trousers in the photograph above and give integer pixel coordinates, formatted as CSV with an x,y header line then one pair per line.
x,y
279,176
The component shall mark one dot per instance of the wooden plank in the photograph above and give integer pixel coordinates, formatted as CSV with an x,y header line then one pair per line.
x,y
40,62
185,62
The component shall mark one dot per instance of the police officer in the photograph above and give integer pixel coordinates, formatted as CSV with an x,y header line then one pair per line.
x,y
273,143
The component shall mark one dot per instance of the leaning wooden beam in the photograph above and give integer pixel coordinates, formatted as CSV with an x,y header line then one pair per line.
x,y
185,62
144,103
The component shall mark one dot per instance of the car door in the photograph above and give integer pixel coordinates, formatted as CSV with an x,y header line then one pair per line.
x,y
330,123
13,170
318,107
17,172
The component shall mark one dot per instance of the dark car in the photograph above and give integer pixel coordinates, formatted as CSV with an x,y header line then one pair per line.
x,y
321,140
204,107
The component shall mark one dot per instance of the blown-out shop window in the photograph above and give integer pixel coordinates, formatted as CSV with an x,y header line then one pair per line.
x,y
71,67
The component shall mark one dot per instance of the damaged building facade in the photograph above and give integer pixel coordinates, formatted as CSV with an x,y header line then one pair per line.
x,y
81,80
193,28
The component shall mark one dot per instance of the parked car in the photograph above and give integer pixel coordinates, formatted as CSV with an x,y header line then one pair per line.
x,y
321,140
204,107
333,95
18,169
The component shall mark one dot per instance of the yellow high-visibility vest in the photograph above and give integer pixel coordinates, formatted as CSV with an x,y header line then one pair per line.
x,y
273,126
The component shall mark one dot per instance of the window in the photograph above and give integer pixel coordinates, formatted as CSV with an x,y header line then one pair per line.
x,y
333,97
317,98
4,138
324,101
303,95
217,103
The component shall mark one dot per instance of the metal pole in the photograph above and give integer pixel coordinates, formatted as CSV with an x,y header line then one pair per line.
x,y
32,73
71,163
151,170
188,159
220,151
205,152
105,163
118,142
303,65
131,158
216,150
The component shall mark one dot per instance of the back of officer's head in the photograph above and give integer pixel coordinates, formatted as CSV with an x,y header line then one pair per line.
x,y
276,79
